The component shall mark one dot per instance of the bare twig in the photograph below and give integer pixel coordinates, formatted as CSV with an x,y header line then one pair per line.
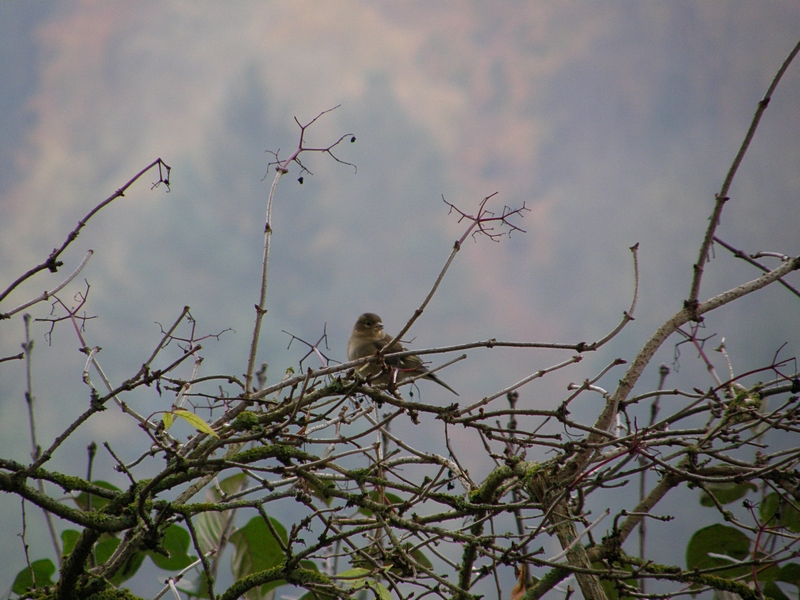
x,y
744,256
35,448
52,263
281,168
722,195
55,290
484,222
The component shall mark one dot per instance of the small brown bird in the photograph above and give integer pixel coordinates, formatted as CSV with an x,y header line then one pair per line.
x,y
368,337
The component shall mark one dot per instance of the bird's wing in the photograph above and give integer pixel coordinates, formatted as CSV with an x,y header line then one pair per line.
x,y
406,363
363,348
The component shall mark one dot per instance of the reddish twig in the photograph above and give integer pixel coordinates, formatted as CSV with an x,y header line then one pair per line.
x,y
484,223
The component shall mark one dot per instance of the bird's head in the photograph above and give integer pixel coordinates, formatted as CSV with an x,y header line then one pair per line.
x,y
368,325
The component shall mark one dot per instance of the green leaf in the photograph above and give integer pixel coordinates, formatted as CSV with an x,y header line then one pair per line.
x,y
256,549
317,596
791,518
790,573
719,540
43,571
319,490
195,421
211,525
769,572
382,592
129,569
166,418
775,511
381,498
69,537
176,542
773,591
768,509
419,556
105,547
82,499
725,493
396,559
353,574
358,577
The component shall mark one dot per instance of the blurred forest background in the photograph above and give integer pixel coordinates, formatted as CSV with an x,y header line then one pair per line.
x,y
615,123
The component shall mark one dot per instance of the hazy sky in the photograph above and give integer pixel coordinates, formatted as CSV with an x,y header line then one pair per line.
x,y
613,122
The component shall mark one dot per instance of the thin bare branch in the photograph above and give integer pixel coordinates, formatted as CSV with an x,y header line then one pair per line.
x,y
722,195
52,263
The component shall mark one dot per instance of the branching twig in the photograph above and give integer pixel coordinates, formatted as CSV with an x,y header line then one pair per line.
x,y
481,222
755,263
722,195
52,263
281,168
54,291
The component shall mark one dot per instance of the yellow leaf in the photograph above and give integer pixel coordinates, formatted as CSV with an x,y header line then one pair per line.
x,y
195,421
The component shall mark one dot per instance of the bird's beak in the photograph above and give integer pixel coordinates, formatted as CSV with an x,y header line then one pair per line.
x,y
378,325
